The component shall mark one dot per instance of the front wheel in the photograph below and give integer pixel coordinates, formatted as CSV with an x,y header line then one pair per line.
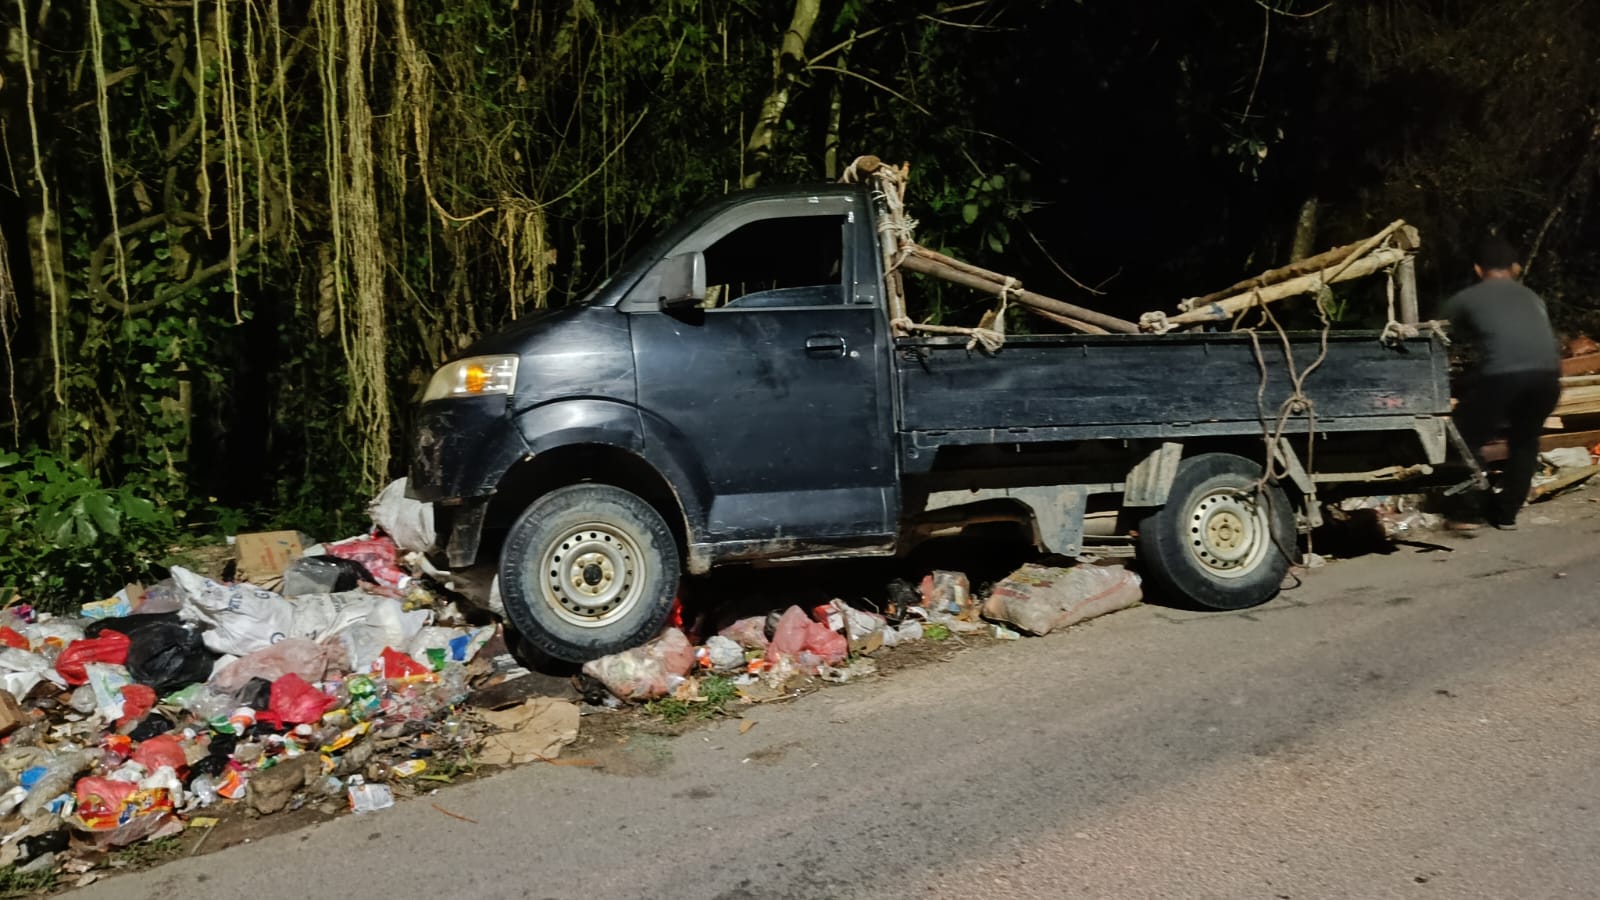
x,y
1220,541
589,570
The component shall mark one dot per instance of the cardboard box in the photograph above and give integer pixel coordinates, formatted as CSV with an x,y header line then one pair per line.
x,y
11,714
264,555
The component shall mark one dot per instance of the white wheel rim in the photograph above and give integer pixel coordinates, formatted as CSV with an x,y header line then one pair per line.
x,y
1228,533
592,575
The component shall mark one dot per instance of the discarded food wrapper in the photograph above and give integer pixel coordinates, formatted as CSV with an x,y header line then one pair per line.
x,y
1039,599
125,602
949,593
366,798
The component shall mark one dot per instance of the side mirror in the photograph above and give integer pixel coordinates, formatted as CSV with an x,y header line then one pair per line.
x,y
683,280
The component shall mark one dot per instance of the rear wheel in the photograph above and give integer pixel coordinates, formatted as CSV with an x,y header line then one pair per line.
x,y
1219,542
589,570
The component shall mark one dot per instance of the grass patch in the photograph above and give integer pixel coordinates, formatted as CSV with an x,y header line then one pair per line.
x,y
18,884
149,853
669,709
934,631
716,692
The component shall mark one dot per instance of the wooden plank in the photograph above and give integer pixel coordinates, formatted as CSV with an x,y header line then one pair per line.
x,y
1587,364
1569,439
1563,481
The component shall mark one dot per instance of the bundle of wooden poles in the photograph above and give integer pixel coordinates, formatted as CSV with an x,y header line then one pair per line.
x,y
1392,249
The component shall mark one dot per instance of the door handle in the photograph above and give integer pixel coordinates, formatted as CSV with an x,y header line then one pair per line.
x,y
825,345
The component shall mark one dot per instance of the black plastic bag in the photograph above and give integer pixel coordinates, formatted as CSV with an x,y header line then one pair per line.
x,y
163,652
323,575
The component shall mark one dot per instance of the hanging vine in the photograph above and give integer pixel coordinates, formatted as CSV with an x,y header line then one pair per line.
x,y
107,159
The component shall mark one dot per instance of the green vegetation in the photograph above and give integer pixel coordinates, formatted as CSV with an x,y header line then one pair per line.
x,y
237,238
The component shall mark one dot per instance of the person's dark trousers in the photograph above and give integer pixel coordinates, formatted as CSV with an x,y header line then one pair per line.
x,y
1520,401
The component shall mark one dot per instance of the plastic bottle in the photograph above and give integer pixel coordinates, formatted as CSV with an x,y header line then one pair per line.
x,y
203,790
58,779
83,700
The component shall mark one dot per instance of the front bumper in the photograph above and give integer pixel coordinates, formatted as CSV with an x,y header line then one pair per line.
x,y
461,450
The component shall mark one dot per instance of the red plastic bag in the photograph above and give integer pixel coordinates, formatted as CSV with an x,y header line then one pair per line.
x,y
295,702
378,554
11,638
399,665
137,699
110,647
161,750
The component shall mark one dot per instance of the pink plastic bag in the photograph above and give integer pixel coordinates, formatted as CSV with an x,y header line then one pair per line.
x,y
161,750
797,633
750,633
378,554
299,656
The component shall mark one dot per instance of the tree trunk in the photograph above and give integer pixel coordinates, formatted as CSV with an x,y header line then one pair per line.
x,y
787,63
830,143
1305,230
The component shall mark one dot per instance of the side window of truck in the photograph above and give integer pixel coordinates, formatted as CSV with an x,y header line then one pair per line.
x,y
777,263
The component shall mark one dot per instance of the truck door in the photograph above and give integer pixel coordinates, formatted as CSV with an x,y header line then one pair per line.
x,y
777,387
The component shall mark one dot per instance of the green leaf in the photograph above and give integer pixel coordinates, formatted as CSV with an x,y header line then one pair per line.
x,y
994,243
969,213
104,511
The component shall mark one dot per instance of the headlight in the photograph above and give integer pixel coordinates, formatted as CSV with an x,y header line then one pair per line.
x,y
475,376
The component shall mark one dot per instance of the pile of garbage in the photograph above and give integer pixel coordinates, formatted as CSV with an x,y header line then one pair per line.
x,y
334,675
763,656
165,705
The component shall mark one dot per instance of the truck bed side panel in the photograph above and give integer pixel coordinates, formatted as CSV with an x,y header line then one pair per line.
x,y
1132,380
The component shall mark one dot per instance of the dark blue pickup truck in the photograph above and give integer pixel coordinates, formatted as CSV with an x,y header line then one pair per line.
x,y
736,393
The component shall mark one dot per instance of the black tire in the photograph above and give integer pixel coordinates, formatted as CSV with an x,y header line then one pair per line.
x,y
1218,542
589,570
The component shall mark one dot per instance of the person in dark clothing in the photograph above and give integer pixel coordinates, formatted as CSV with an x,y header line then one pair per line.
x,y
1516,380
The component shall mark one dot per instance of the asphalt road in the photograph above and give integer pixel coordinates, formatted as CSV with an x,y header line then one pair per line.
x,y
1421,724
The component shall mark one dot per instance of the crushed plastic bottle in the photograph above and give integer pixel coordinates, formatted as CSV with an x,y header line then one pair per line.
x,y
204,790
56,780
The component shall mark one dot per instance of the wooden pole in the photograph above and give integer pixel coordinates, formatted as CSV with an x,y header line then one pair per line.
x,y
1229,307
918,263
1310,266
1406,274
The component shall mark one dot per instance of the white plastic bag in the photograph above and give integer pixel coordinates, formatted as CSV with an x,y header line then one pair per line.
x,y
239,618
318,617
409,522
386,625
